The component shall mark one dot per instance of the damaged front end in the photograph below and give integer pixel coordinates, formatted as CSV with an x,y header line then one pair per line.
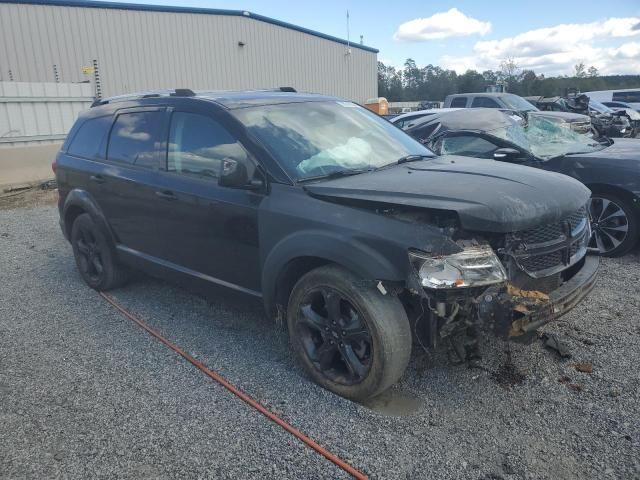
x,y
510,284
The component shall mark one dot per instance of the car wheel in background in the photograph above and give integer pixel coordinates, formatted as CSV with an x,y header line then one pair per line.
x,y
614,223
351,339
94,257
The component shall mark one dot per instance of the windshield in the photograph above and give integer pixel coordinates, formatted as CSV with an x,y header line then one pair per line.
x,y
514,102
315,139
547,139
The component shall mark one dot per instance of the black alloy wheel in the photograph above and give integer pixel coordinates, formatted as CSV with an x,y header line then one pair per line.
x,y
351,338
90,256
334,336
94,257
614,225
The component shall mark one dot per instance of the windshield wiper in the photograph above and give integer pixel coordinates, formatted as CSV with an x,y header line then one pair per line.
x,y
338,174
405,159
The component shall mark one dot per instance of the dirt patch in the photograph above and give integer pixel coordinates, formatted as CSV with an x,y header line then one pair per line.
x,y
584,367
508,375
28,198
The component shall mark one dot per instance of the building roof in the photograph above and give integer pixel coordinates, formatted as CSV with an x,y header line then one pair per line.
x,y
196,10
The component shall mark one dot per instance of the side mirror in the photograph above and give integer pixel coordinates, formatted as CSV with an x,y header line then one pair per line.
x,y
234,174
508,155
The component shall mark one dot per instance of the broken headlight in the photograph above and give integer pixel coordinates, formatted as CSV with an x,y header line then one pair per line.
x,y
473,267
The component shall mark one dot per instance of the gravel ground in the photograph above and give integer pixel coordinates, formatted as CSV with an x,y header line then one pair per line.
x,y
86,393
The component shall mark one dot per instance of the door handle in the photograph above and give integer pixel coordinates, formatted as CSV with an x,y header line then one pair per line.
x,y
166,194
97,178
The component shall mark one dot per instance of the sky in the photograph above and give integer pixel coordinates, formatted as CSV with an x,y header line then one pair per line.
x,y
548,36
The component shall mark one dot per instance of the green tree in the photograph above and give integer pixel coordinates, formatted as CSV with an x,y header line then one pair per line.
x,y
435,83
509,70
526,83
471,81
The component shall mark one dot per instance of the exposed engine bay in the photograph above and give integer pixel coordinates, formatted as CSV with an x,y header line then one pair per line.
x,y
537,263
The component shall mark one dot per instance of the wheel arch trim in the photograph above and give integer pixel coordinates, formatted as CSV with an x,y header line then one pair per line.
x,y
327,247
79,200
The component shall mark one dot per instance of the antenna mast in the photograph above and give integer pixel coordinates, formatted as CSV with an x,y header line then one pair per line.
x,y
348,44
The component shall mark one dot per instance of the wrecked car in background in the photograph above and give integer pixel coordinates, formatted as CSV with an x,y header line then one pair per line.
x,y
605,121
350,231
632,114
509,102
610,168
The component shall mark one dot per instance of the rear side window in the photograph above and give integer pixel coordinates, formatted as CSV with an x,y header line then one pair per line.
x,y
627,97
198,145
406,120
135,138
408,123
88,139
484,102
467,146
459,102
422,133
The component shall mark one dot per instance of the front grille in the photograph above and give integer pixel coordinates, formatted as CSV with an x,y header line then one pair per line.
x,y
546,233
551,248
541,262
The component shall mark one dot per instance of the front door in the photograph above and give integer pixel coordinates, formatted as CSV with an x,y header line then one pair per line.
x,y
203,227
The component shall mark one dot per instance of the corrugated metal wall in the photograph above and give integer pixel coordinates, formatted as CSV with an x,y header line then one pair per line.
x,y
141,50
40,112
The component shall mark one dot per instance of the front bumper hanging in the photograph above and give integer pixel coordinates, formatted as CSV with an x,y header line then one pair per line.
x,y
515,314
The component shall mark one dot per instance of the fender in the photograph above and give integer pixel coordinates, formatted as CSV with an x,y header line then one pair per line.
x,y
355,255
81,199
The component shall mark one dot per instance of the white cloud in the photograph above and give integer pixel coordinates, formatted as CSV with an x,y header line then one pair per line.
x,y
452,23
555,50
391,63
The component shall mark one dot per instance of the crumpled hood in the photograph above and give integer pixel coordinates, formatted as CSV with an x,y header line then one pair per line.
x,y
565,116
487,195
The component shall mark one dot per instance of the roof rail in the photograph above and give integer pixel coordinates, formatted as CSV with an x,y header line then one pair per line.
x,y
178,92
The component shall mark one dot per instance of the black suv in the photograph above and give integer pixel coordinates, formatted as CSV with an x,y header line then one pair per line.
x,y
349,230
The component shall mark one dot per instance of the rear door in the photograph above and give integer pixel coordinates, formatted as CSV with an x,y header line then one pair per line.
x,y
205,228
132,176
82,156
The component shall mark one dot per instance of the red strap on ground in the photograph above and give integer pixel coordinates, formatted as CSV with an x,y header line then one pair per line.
x,y
239,393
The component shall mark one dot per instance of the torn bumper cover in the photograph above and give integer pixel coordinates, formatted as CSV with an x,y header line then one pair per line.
x,y
514,313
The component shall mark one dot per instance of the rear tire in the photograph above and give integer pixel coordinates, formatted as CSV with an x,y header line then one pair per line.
x,y
94,257
614,222
351,339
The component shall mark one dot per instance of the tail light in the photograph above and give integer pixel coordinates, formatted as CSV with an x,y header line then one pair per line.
x,y
54,166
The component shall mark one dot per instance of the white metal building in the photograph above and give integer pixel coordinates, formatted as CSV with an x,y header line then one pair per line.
x,y
122,48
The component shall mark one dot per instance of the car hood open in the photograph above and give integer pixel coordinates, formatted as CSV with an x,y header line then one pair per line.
x,y
487,196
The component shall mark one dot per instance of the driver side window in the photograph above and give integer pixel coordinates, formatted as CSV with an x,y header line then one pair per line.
x,y
198,145
467,145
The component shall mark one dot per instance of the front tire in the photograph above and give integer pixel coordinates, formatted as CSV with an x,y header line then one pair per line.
x,y
350,338
614,223
94,257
